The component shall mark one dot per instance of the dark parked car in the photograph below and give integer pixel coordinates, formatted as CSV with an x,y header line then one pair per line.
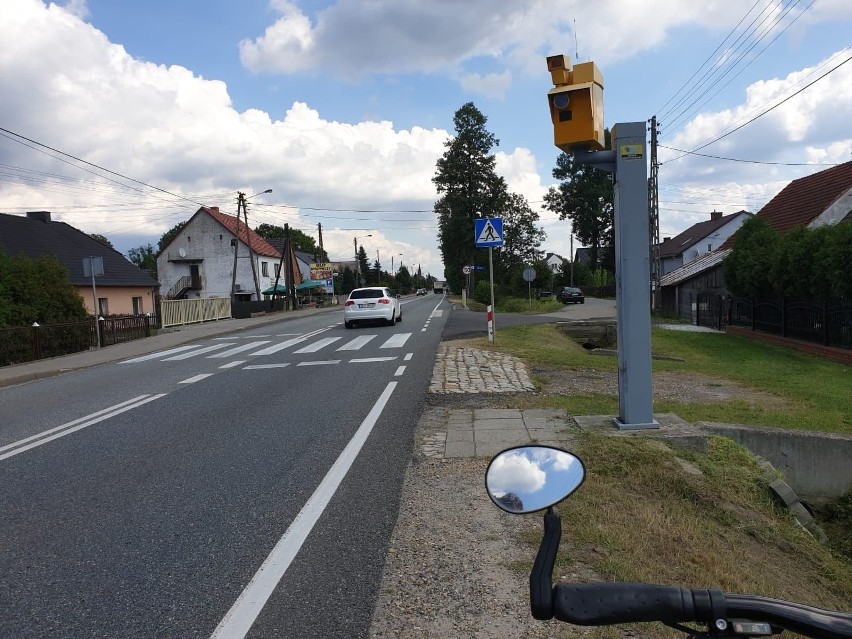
x,y
570,295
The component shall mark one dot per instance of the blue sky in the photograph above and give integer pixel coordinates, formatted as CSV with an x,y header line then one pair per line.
x,y
342,108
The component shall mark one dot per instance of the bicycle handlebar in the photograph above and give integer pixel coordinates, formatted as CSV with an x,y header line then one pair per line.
x,y
619,602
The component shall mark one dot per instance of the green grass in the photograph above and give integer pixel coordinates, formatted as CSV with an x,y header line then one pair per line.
x,y
802,391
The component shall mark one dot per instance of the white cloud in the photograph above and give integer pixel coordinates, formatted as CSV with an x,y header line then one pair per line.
x,y
491,85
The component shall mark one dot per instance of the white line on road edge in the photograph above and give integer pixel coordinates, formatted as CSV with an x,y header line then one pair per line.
x,y
239,619
196,378
70,427
399,371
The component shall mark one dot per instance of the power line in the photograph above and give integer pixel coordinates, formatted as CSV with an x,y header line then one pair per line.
x,y
719,157
759,115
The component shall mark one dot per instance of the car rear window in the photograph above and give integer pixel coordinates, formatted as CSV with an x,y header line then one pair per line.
x,y
366,294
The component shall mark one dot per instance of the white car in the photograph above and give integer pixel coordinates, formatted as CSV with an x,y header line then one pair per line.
x,y
371,303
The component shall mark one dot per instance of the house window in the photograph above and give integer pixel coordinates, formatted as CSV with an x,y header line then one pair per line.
x,y
103,306
277,270
709,247
137,306
264,269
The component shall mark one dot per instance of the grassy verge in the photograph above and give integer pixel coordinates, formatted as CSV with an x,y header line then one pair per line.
x,y
803,391
649,514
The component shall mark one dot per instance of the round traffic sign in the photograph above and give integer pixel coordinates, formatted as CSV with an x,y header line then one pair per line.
x,y
529,274
466,270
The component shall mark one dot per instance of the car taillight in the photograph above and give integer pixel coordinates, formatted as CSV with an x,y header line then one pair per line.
x,y
384,300
349,303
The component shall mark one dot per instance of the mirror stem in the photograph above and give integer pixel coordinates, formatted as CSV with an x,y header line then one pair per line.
x,y
541,577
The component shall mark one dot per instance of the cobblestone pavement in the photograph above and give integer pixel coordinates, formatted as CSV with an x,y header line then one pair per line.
x,y
470,370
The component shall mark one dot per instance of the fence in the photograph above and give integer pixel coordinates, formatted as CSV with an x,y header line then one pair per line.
x,y
201,309
29,343
825,323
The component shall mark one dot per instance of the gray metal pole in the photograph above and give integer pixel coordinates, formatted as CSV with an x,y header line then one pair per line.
x,y
491,276
635,390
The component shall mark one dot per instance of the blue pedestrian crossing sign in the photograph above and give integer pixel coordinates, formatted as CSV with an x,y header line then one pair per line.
x,y
488,232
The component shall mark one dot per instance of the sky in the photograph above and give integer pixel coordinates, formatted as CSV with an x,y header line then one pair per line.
x,y
123,118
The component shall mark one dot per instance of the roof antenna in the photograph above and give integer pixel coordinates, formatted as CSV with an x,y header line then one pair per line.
x,y
576,49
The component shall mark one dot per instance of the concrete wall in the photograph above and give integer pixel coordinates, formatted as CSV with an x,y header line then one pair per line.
x,y
817,465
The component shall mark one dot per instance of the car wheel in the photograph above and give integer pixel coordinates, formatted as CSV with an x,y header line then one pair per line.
x,y
392,320
348,324
399,317
583,302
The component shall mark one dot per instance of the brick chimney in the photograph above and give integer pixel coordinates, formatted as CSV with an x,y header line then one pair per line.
x,y
39,216
715,215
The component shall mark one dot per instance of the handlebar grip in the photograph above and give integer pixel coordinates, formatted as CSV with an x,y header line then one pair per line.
x,y
619,602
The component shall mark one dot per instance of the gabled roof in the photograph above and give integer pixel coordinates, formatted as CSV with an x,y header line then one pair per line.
x,y
258,244
703,263
36,236
676,245
547,256
803,200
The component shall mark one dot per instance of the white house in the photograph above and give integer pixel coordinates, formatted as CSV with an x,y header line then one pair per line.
x,y
554,262
699,239
199,260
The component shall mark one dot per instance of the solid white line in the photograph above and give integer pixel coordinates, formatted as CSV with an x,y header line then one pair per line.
x,y
255,367
396,341
21,442
319,363
239,349
197,378
365,360
236,362
322,343
399,371
239,619
171,351
81,426
206,349
408,357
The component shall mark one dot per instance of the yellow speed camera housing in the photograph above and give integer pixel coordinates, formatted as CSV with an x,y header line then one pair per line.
x,y
576,104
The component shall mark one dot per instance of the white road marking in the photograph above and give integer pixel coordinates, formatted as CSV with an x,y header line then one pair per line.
x,y
196,378
356,343
240,349
171,351
322,343
365,360
200,351
239,619
319,363
399,371
270,350
408,357
260,366
73,426
236,362
396,341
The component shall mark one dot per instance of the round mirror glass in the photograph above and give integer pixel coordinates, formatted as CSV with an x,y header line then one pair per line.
x,y
529,478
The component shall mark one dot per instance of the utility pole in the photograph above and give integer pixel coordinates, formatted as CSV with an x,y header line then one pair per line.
x,y
654,221
242,210
322,252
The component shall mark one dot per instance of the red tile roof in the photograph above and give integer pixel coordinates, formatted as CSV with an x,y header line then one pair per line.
x,y
804,199
258,244
676,245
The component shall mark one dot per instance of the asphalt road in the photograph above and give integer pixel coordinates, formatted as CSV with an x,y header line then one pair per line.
x,y
240,486
464,323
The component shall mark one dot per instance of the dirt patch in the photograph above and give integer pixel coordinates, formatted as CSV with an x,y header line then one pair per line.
x,y
687,388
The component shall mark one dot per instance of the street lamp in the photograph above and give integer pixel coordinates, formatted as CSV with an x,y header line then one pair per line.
x,y
357,261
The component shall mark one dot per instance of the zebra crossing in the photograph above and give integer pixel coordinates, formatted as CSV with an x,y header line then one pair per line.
x,y
303,345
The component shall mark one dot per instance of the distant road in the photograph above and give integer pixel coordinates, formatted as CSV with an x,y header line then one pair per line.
x,y
463,323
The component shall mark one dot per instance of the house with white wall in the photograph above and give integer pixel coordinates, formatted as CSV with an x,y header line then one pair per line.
x,y
199,260
699,239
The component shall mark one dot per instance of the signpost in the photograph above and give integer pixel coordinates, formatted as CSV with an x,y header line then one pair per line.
x,y
529,276
488,232
94,265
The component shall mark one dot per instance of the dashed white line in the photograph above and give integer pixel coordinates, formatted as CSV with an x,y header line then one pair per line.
x,y
319,363
236,362
196,378
365,360
261,366
408,357
399,371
